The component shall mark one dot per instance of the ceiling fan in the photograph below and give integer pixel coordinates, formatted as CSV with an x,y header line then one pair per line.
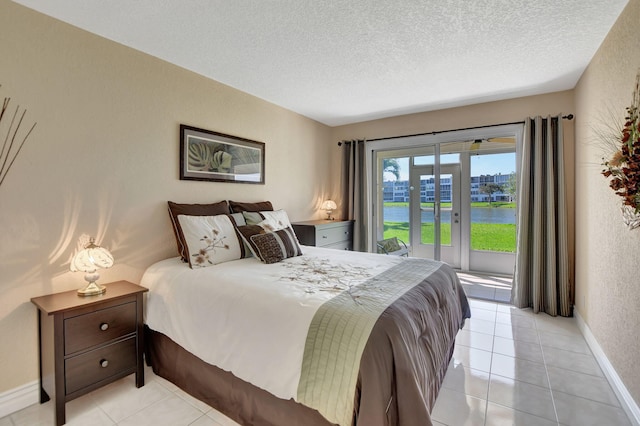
x,y
475,143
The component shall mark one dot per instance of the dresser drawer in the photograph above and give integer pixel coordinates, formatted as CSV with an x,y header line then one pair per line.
x,y
342,245
93,366
327,236
84,331
336,234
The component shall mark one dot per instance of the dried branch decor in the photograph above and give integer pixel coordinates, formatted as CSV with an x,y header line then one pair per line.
x,y
623,167
11,149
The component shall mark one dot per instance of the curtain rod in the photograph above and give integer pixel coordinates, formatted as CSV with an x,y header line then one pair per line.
x,y
567,117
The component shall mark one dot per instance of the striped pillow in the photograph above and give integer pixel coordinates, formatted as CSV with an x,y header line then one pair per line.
x,y
271,247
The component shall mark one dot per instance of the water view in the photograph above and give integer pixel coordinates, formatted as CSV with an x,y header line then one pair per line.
x,y
478,215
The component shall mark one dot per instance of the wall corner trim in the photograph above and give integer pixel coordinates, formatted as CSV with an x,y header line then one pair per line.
x,y
628,403
18,398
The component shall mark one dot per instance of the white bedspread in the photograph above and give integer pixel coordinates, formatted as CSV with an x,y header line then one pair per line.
x,y
250,318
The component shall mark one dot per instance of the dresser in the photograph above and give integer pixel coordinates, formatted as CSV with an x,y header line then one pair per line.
x,y
336,234
88,342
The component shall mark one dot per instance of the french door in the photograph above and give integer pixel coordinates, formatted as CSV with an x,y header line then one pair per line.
x,y
449,196
435,213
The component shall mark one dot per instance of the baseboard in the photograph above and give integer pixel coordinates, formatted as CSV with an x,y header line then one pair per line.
x,y
626,400
21,397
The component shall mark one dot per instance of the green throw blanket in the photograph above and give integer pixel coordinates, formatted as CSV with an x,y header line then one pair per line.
x,y
339,332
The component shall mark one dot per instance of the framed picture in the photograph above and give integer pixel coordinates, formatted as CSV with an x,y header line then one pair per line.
x,y
213,156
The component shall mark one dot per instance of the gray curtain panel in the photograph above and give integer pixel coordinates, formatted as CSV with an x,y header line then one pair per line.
x,y
354,206
541,278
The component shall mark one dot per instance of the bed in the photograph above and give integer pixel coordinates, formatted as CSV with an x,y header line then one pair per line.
x,y
317,337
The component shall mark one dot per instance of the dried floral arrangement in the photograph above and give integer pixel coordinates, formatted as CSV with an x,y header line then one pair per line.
x,y
11,149
623,167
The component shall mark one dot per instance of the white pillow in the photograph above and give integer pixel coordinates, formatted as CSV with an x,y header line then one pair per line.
x,y
271,225
210,240
276,219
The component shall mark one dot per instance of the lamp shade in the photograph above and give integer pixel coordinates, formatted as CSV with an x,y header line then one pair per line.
x,y
89,260
329,205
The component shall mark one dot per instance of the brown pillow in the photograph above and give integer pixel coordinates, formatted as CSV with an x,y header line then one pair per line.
x,y
248,231
237,207
176,209
270,247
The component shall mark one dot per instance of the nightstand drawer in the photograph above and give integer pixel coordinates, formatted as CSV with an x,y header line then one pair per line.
x,y
85,331
327,236
99,364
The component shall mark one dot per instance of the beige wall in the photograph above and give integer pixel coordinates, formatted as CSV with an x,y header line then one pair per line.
x,y
103,161
607,254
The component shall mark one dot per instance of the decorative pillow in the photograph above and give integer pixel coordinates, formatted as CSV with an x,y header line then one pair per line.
x,y
271,225
272,247
238,220
248,231
192,210
389,245
210,240
237,207
276,219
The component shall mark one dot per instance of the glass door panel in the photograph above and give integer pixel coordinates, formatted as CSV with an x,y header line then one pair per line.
x,y
493,212
446,207
394,198
427,209
437,225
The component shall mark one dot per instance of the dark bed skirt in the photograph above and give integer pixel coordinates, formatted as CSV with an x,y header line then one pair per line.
x,y
237,399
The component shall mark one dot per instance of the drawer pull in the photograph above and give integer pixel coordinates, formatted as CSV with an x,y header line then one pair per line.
x,y
104,363
324,236
104,326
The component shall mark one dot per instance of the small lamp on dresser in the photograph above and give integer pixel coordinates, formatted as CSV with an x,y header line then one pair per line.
x,y
329,206
89,260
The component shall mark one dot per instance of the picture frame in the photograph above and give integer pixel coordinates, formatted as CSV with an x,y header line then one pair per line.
x,y
206,155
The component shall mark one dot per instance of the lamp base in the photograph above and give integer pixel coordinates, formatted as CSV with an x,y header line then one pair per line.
x,y
92,289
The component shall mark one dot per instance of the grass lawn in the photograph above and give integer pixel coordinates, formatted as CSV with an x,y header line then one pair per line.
x,y
484,236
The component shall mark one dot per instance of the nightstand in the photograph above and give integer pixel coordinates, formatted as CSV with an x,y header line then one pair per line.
x,y
337,234
88,342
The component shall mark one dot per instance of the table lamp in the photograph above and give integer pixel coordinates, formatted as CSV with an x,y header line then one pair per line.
x,y
88,260
329,206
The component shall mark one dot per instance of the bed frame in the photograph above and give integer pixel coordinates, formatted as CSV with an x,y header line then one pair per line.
x,y
244,402
235,398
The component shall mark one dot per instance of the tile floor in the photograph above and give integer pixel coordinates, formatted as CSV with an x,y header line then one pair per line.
x,y
513,367
510,367
488,287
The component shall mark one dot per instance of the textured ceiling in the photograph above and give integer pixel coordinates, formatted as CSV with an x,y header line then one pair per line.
x,y
344,61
